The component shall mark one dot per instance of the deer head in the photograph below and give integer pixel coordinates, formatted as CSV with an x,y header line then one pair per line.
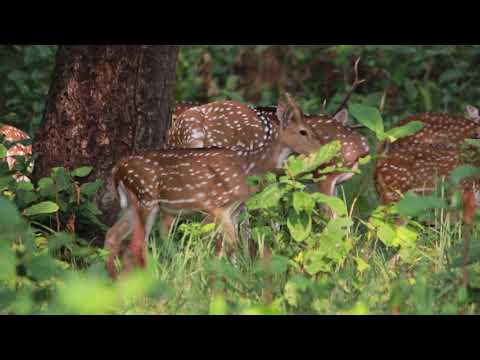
x,y
295,133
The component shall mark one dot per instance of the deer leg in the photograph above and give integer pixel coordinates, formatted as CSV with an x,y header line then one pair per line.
x,y
327,187
224,218
166,222
218,239
245,234
143,220
117,233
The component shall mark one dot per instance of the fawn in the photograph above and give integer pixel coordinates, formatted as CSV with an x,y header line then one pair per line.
x,y
211,181
328,128
412,163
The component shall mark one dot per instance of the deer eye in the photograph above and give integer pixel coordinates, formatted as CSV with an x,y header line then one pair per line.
x,y
303,132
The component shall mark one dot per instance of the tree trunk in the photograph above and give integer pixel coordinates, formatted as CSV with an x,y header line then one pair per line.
x,y
104,103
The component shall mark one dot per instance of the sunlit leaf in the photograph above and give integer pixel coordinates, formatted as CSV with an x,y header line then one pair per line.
x,y
299,225
303,202
3,151
82,171
368,116
404,131
45,207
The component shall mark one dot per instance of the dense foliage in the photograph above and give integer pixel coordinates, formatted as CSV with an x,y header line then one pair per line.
x,y
404,258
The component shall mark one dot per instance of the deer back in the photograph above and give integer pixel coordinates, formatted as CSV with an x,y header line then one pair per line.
x,y
415,162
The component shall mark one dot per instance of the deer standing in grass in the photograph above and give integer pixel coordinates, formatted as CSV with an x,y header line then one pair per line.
x,y
188,131
211,181
327,128
14,135
413,163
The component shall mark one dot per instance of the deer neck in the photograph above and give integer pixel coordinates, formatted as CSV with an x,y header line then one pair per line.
x,y
268,158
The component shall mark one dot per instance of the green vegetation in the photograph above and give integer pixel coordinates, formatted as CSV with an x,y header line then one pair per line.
x,y
404,258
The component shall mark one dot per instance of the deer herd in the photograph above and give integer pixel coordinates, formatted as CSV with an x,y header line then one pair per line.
x,y
212,148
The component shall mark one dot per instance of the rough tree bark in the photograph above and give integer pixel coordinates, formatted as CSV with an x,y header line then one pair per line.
x,y
105,102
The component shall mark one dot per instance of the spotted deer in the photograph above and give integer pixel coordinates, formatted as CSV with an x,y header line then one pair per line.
x,y
327,128
14,135
330,128
413,163
211,181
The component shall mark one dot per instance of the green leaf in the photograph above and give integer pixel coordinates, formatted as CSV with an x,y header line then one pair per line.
x,y
7,296
300,164
276,265
82,171
6,181
268,198
315,262
61,178
46,187
3,151
299,225
218,306
77,294
59,240
25,198
26,186
11,222
462,172
405,236
42,267
45,207
450,75
7,262
404,131
386,234
368,116
427,98
365,160
44,183
303,202
362,265
413,205
333,202
261,310
207,228
90,188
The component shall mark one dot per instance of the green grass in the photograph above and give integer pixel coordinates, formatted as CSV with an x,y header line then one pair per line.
x,y
418,280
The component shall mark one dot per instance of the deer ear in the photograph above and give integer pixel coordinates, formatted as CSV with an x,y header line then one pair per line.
x,y
473,113
342,117
289,110
283,114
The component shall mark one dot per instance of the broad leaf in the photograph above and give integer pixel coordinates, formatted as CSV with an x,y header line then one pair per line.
x,y
464,171
301,164
368,116
3,151
268,198
45,207
303,202
404,131
82,171
334,203
414,205
299,225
